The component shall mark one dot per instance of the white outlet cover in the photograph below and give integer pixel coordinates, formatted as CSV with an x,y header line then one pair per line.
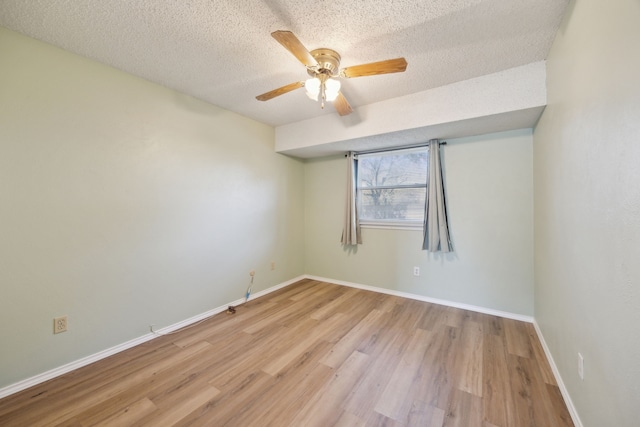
x,y
59,324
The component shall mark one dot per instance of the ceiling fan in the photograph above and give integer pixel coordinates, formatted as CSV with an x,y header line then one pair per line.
x,y
323,65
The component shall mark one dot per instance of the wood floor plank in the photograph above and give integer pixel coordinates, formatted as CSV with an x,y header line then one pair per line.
x,y
378,420
289,312
407,315
164,389
293,387
351,340
301,344
225,408
390,346
560,408
126,416
238,321
267,345
388,303
119,406
315,290
469,359
324,407
533,408
313,353
162,382
330,308
517,338
452,317
283,295
432,318
179,409
437,372
356,311
465,410
395,402
538,354
497,398
111,388
349,420
308,305
492,325
422,414
34,401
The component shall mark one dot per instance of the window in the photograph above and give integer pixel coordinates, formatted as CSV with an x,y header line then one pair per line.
x,y
391,187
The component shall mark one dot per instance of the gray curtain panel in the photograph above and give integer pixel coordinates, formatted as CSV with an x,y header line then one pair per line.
x,y
436,228
351,232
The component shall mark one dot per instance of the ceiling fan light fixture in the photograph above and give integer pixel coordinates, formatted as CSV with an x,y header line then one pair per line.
x,y
332,88
312,86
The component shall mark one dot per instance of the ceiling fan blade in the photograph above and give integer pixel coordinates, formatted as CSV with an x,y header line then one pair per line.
x,y
383,67
342,105
280,91
295,46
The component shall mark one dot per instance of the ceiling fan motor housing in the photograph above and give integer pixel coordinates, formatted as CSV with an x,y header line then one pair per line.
x,y
328,62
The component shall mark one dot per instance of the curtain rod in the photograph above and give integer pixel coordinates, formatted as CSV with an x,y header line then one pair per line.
x,y
404,147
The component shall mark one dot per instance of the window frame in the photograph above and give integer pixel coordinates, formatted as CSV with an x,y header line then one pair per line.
x,y
391,223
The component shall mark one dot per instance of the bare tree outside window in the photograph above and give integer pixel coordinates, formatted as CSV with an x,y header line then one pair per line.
x,y
391,186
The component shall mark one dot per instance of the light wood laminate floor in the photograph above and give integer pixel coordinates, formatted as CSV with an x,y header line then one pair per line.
x,y
313,354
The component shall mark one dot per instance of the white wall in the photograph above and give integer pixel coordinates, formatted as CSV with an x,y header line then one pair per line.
x,y
123,204
489,193
587,209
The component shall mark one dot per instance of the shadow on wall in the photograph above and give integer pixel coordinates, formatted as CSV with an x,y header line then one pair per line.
x,y
350,249
442,257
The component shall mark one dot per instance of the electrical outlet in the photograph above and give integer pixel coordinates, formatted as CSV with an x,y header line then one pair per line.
x,y
59,324
252,273
416,271
273,265
580,366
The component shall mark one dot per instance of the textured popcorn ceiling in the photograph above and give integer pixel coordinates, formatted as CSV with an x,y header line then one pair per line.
x,y
221,51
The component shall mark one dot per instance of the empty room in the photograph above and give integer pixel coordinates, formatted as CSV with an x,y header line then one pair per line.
x,y
314,213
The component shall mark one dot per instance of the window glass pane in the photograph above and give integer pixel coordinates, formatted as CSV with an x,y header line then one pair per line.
x,y
408,167
399,204
392,186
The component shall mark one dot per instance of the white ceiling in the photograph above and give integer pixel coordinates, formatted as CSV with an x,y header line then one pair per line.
x,y
221,51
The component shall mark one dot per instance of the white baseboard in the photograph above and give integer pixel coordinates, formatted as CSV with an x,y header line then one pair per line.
x,y
56,372
505,314
556,373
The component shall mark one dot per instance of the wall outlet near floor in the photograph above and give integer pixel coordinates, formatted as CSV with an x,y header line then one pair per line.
x,y
273,265
252,273
416,271
59,324
581,366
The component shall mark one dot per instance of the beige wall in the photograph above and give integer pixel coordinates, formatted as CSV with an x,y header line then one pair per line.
x,y
125,204
489,193
587,209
